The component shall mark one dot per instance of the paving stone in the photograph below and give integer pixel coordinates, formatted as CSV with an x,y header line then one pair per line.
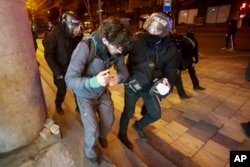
x,y
165,104
187,162
245,145
165,149
177,128
213,101
216,120
184,106
225,109
203,107
217,150
243,91
187,145
194,115
232,133
170,114
203,131
185,122
47,157
167,135
225,141
223,93
120,155
234,126
157,126
17,157
206,159
244,110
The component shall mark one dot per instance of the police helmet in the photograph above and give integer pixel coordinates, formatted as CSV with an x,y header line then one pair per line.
x,y
158,24
190,32
72,24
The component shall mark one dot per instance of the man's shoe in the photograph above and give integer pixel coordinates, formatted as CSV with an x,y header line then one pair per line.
x,y
94,161
125,141
103,142
231,49
199,88
224,48
59,110
139,129
184,97
246,128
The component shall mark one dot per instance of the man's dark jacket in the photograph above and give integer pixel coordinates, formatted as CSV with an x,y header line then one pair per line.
x,y
58,49
146,50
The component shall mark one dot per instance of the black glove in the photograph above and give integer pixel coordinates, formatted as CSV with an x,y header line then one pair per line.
x,y
196,60
161,88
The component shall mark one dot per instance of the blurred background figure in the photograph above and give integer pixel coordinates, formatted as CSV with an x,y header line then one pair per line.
x,y
183,64
188,46
246,125
34,36
232,30
248,70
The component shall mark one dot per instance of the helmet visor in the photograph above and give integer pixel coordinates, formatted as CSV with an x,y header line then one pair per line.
x,y
158,24
155,28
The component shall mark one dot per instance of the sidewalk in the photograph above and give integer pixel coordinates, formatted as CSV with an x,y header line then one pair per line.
x,y
199,131
205,127
212,28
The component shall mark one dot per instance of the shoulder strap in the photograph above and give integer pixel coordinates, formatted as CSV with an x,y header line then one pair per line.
x,y
92,47
190,40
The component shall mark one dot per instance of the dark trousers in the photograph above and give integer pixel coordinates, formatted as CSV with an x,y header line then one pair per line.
x,y
192,74
179,84
230,39
248,71
151,102
61,91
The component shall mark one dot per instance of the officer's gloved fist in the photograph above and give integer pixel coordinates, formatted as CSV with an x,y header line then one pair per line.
x,y
103,78
161,87
196,61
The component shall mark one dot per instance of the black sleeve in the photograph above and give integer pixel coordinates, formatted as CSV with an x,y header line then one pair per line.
x,y
50,53
170,67
196,54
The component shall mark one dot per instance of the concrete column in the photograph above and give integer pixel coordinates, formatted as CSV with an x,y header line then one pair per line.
x,y
22,103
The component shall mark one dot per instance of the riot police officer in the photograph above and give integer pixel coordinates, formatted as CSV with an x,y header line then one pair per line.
x,y
152,63
58,47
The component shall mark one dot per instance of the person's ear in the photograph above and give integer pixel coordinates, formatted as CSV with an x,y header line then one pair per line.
x,y
105,41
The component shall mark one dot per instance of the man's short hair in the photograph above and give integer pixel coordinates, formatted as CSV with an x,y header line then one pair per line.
x,y
115,32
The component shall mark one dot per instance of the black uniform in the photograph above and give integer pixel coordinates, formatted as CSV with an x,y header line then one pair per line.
x,y
58,48
188,50
150,57
232,30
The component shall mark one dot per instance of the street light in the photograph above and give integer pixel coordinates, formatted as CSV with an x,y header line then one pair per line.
x,y
99,11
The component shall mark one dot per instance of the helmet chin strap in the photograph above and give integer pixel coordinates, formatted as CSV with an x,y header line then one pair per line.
x,y
151,38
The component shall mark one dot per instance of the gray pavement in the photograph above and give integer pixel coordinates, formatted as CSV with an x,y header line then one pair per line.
x,y
202,129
